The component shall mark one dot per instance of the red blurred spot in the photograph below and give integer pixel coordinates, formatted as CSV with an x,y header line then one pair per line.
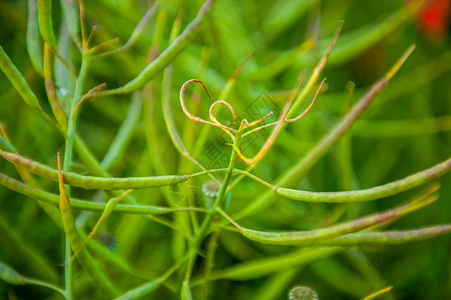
x,y
435,18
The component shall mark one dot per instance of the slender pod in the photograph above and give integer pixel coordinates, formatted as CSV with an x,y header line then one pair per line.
x,y
148,287
33,43
137,32
142,290
9,275
165,58
91,182
111,204
387,237
21,85
86,205
45,21
88,264
257,268
373,193
50,89
18,81
299,237
71,16
124,135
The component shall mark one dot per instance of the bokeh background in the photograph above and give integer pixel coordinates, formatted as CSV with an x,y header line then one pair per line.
x,y
405,130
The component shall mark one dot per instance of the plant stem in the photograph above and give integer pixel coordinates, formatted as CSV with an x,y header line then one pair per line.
x,y
73,116
222,192
68,149
68,290
43,284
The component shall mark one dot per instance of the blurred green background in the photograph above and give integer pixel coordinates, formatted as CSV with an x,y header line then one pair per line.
x,y
405,130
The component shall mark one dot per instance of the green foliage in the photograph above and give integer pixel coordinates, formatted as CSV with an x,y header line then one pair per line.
x,y
160,194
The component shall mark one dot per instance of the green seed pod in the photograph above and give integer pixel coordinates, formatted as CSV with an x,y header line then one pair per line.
x,y
18,81
33,42
9,275
45,21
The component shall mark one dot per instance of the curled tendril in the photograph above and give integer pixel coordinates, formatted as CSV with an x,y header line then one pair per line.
x,y
246,124
227,104
281,121
199,120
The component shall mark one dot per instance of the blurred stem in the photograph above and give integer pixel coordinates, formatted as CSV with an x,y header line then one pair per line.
x,y
188,272
167,56
210,261
343,155
24,251
44,284
276,285
124,134
68,149
222,192
71,128
68,263
366,268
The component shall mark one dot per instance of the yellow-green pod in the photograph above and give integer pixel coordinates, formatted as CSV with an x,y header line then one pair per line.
x,y
9,275
33,42
168,55
18,81
86,261
45,21
386,237
91,182
299,237
142,290
71,16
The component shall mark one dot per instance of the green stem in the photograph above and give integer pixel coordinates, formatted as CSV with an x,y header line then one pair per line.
x,y
68,149
68,290
209,261
71,128
44,284
222,192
